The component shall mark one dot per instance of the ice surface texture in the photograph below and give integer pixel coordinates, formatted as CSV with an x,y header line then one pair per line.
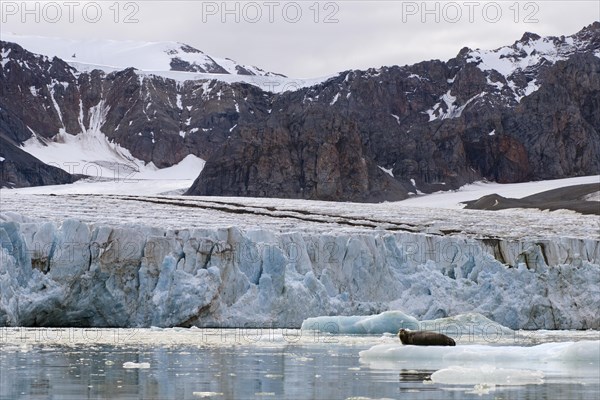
x,y
72,273
458,326
543,356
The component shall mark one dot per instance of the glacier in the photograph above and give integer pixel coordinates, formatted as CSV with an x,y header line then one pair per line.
x,y
69,272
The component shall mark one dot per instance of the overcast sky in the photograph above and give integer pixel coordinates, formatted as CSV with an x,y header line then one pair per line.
x,y
306,38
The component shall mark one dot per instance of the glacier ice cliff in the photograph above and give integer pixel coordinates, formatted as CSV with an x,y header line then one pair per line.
x,y
71,273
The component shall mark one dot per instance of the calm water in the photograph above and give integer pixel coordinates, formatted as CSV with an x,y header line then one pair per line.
x,y
194,364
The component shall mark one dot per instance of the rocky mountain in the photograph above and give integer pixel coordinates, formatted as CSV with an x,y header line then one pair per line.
x,y
522,112
20,169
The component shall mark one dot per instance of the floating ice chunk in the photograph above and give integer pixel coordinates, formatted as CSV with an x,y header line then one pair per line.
x,y
131,364
482,388
367,398
206,394
274,376
389,321
462,325
585,351
487,374
543,356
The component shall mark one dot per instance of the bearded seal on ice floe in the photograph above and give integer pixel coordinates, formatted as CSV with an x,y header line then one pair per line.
x,y
425,338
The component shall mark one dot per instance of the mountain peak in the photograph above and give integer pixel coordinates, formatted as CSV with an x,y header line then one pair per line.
x,y
590,33
529,36
189,49
109,55
594,26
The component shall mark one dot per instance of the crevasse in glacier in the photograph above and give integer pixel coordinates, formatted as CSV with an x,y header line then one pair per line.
x,y
89,274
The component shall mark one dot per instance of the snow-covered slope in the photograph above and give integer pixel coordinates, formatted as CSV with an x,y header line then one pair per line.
x,y
160,182
456,198
527,56
172,60
81,146
121,54
93,155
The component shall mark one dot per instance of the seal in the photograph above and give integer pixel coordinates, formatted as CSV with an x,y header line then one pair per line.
x,y
425,338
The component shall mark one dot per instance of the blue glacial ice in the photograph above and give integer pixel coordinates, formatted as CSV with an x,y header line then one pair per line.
x,y
462,325
70,273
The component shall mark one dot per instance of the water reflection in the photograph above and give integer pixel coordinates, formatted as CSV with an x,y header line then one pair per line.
x,y
240,371
233,372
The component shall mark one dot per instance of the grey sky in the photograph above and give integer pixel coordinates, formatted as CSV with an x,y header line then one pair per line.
x,y
358,34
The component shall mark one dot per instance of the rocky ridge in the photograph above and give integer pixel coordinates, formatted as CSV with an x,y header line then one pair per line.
x,y
523,112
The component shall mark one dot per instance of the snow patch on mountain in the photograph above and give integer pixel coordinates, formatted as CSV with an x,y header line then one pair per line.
x,y
335,99
121,54
4,57
172,60
388,171
448,107
523,54
91,153
526,55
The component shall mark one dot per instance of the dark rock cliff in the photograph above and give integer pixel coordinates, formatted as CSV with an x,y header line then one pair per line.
x,y
21,169
436,125
313,155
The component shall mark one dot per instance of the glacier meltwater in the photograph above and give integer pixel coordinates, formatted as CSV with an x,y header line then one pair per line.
x,y
74,273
